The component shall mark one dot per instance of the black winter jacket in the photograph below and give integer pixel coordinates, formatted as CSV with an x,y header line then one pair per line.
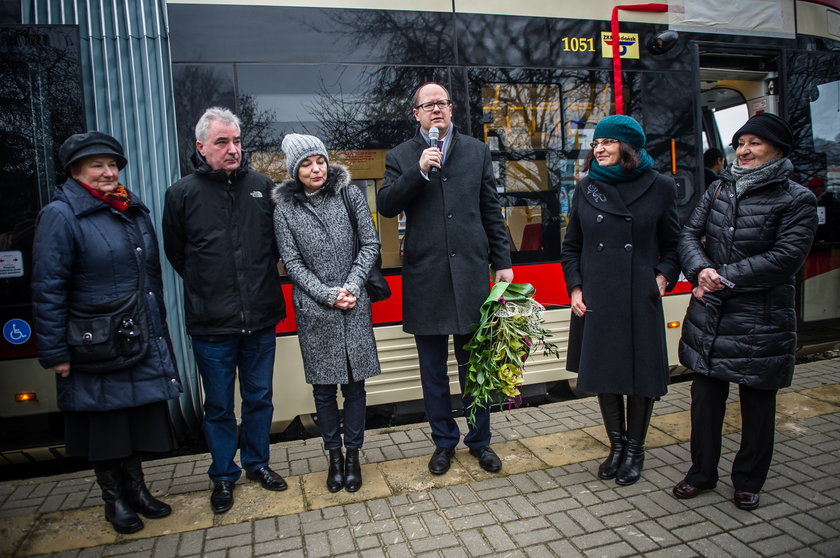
x,y
84,253
218,234
747,334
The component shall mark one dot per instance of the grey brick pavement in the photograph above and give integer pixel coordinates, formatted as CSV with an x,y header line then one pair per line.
x,y
560,511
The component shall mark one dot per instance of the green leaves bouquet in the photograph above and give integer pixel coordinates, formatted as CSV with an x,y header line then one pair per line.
x,y
509,329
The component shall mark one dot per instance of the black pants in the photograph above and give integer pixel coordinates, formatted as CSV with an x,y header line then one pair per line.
x,y
758,412
433,352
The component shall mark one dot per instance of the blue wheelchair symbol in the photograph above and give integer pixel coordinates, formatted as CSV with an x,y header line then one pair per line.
x,y
17,332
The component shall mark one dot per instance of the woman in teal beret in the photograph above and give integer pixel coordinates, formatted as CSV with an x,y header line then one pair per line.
x,y
619,258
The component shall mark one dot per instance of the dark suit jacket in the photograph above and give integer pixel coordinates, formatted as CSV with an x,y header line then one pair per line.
x,y
455,232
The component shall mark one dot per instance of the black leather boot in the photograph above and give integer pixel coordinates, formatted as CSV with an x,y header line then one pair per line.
x,y
335,474
352,471
117,509
639,410
612,410
137,492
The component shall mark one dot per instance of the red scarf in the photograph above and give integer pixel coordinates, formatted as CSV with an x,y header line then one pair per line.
x,y
118,199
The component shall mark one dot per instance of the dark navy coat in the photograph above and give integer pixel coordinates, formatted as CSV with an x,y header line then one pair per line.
x,y
455,233
615,246
85,252
758,241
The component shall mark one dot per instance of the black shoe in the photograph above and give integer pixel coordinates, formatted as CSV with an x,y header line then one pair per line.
x,y
138,494
441,460
268,479
222,498
685,491
335,474
118,511
487,459
352,471
746,500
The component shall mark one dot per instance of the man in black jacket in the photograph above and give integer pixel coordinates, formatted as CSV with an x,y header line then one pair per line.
x,y
454,233
218,235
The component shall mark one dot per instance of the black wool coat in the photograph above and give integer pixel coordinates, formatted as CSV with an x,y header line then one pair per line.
x,y
455,232
85,252
747,334
618,240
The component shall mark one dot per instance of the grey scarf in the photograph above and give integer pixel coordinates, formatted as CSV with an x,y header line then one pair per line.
x,y
746,178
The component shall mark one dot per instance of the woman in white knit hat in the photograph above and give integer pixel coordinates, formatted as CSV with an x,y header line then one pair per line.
x,y
332,308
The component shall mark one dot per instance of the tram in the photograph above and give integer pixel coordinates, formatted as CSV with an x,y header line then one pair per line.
x,y
531,79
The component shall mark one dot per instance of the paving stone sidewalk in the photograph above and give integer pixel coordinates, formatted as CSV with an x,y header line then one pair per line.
x,y
548,502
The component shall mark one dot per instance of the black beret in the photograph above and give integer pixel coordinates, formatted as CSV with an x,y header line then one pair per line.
x,y
770,127
79,146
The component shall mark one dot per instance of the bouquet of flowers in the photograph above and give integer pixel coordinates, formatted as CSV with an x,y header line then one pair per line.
x,y
510,328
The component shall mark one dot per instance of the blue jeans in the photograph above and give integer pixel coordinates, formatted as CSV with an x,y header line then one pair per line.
x,y
217,363
354,414
433,352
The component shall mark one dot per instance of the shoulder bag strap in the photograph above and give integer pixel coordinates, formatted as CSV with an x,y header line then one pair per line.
x,y
352,215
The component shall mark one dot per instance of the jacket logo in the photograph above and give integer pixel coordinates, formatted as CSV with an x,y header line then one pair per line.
x,y
256,194
596,194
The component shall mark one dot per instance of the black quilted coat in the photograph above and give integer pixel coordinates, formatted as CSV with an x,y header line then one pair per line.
x,y
747,334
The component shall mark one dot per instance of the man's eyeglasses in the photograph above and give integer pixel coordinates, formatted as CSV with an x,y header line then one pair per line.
x,y
429,107
605,142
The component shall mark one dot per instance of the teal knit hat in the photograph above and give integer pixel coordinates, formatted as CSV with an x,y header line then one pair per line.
x,y
622,128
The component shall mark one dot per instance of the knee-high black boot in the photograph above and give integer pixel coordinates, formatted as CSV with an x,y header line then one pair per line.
x,y
612,410
118,511
639,410
138,494
335,474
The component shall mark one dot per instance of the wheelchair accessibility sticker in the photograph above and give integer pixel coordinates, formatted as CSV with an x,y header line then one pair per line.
x,y
17,332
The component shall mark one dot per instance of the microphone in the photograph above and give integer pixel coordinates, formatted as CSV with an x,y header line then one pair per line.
x,y
434,135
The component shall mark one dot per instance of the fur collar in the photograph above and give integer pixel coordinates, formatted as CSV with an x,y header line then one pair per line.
x,y
338,177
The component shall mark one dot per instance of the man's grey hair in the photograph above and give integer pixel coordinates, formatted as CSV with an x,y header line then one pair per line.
x,y
212,115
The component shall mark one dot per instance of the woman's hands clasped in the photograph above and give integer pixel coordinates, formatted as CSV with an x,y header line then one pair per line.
x,y
708,281
345,299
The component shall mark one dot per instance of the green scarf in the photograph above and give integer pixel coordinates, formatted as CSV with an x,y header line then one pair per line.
x,y
614,174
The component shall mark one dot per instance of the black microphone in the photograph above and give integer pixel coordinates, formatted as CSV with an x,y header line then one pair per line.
x,y
434,135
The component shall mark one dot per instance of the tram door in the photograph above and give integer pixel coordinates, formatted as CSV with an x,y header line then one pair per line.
x,y
41,105
735,86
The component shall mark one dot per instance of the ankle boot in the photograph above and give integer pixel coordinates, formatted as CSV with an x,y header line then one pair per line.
x,y
117,509
352,471
639,410
612,410
335,475
137,492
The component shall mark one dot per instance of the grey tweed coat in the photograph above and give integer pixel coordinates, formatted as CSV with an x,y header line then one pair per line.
x,y
315,238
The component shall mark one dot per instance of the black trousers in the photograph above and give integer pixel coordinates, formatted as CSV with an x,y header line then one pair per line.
x,y
433,352
758,413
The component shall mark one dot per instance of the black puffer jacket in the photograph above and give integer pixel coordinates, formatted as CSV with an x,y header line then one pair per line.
x,y
218,234
747,334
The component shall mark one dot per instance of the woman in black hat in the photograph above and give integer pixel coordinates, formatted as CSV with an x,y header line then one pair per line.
x,y
94,246
741,249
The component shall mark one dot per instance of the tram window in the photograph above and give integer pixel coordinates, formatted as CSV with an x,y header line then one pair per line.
x,y
729,120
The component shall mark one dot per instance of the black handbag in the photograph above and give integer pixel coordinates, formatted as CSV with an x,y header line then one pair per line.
x,y
376,285
110,336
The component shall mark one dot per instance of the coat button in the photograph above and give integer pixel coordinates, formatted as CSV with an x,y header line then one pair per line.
x,y
443,179
452,253
449,216
599,218
600,246
628,218
628,247
731,229
138,249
